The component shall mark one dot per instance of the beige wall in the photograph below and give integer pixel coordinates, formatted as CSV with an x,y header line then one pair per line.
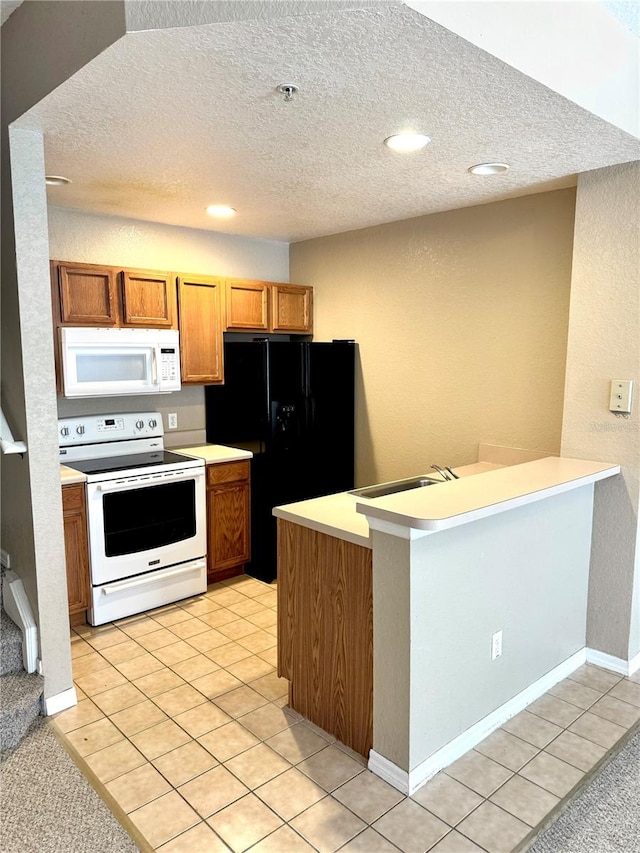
x,y
604,344
33,64
461,318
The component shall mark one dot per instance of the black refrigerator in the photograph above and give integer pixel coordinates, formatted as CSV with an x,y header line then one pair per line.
x,y
291,403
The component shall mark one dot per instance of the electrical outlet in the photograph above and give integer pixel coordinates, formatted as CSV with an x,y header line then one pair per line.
x,y
496,645
172,420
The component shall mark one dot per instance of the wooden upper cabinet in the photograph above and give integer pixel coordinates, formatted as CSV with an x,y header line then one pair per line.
x,y
148,299
247,305
291,308
87,295
200,307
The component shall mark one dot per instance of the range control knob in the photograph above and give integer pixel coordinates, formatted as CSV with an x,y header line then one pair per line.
x,y
64,431
139,424
80,429
153,423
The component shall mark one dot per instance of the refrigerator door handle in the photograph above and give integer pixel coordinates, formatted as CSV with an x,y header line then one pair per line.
x,y
310,406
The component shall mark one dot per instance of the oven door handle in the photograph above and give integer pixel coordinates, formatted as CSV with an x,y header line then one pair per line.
x,y
141,484
131,584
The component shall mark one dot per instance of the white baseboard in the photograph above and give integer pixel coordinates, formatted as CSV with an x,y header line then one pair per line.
x,y
60,702
388,771
16,603
409,782
619,665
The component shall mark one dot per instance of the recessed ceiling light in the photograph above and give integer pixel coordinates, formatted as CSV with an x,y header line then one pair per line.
x,y
405,142
488,168
56,180
222,211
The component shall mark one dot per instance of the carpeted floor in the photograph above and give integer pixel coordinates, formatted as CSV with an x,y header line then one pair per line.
x,y
48,806
605,818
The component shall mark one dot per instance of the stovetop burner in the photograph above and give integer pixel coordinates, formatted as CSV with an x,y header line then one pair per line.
x,y
130,461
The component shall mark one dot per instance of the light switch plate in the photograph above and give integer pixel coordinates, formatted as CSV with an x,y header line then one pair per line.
x,y
621,395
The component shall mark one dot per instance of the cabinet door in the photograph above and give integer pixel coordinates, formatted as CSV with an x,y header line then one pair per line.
x,y
228,527
200,306
247,305
87,295
148,299
291,308
76,548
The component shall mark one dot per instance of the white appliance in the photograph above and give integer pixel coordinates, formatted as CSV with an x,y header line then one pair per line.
x,y
146,513
110,362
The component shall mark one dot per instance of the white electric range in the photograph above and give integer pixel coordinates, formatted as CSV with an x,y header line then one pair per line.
x,y
146,513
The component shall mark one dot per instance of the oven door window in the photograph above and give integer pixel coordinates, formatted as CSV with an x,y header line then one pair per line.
x,y
148,518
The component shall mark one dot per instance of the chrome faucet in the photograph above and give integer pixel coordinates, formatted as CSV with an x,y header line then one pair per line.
x,y
442,473
446,473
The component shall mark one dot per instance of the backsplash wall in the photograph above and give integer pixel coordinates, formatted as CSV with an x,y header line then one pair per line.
x,y
188,404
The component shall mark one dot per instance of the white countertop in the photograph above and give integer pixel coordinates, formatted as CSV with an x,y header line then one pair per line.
x,y
471,498
214,453
68,476
211,453
494,488
336,515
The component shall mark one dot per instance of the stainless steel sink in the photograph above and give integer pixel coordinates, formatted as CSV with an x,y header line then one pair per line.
x,y
397,486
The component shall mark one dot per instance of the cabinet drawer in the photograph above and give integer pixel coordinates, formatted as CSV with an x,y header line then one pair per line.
x,y
228,472
72,497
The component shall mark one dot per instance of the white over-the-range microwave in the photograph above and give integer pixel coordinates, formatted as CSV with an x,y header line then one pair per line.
x,y
110,362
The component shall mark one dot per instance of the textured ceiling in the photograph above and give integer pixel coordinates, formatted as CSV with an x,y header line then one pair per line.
x,y
165,122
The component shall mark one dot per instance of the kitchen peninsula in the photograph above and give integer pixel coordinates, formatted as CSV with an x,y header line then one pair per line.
x,y
388,607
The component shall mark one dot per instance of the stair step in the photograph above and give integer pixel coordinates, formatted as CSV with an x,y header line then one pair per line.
x,y
20,704
10,645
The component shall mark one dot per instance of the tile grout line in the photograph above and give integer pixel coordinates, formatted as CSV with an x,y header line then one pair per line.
x,y
294,764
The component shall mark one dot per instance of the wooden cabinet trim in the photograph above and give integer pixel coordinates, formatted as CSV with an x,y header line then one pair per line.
x,y
73,497
228,472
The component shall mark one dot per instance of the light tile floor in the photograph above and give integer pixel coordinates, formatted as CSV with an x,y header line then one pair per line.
x,y
182,717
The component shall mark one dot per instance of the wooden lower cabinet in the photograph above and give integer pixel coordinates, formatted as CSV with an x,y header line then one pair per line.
x,y
325,631
228,519
76,546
